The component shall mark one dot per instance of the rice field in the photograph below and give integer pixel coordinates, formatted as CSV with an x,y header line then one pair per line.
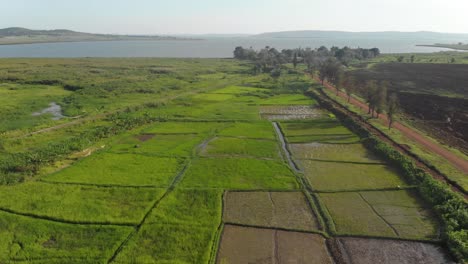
x,y
205,179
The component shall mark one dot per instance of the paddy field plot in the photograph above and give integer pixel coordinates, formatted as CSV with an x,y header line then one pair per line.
x,y
242,147
336,176
380,213
254,130
320,130
28,239
176,145
385,251
258,245
181,229
182,128
239,174
352,153
120,169
288,210
79,203
241,90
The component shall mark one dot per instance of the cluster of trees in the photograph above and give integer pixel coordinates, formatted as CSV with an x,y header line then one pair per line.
x,y
269,59
378,98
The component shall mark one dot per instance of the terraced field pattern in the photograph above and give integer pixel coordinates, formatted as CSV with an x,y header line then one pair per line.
x,y
226,177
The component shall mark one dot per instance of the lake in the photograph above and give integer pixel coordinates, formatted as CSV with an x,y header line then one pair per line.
x,y
207,48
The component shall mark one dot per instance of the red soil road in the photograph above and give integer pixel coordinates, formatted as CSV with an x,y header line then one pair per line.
x,y
412,134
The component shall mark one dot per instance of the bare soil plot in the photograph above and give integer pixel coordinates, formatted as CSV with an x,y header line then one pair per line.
x,y
254,245
381,213
337,176
289,210
385,251
242,147
334,152
295,112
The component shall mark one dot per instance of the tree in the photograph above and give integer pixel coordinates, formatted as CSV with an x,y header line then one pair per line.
x,y
400,58
339,81
370,95
412,58
350,86
295,60
329,70
392,109
381,98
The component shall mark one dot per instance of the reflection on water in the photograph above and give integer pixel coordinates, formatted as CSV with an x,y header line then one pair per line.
x,y
54,109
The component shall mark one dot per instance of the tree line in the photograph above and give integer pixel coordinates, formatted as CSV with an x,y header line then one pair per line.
x,y
330,66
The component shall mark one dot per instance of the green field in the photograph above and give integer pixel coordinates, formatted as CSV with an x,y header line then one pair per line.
x,y
155,156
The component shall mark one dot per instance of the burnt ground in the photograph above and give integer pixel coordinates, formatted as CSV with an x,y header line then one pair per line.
x,y
443,117
429,94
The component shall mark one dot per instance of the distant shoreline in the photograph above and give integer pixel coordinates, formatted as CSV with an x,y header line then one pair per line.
x,y
93,40
446,46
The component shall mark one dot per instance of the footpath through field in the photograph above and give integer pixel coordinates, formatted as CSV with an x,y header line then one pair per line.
x,y
412,134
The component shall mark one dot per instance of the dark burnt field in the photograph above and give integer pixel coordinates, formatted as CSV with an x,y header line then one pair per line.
x,y
433,96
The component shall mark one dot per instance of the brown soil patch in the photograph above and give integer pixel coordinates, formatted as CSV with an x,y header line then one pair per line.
x,y
370,251
288,210
145,137
254,245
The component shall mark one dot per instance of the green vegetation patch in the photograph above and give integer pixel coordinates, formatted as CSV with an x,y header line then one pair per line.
x,y
121,169
288,99
289,210
26,239
182,127
239,173
380,214
158,144
181,229
336,176
79,203
215,97
239,90
326,139
321,127
334,152
242,147
263,130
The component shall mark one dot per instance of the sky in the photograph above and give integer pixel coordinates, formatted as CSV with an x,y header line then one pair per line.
x,y
235,16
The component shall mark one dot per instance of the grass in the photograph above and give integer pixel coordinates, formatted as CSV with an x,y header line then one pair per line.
x,y
180,230
401,214
242,147
28,239
239,173
79,203
176,145
183,128
355,153
120,169
336,176
260,130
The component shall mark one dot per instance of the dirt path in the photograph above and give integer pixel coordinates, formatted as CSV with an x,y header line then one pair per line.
x,y
412,134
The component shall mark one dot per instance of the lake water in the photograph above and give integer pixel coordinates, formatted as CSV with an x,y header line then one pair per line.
x,y
208,48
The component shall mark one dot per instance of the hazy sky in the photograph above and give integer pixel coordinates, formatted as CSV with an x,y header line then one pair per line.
x,y
235,16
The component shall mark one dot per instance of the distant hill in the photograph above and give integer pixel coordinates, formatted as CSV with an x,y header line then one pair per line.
x,y
18,35
423,35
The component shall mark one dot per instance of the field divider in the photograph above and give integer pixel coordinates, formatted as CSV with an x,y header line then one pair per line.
x,y
379,215
218,235
145,217
325,222
103,185
344,161
64,221
410,187
316,232
421,240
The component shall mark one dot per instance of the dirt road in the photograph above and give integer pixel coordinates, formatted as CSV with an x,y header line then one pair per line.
x,y
412,134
